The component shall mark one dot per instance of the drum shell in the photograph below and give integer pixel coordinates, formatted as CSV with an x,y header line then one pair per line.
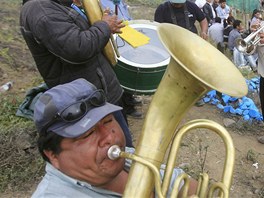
x,y
138,80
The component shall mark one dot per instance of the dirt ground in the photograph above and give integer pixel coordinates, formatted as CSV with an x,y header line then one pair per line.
x,y
201,150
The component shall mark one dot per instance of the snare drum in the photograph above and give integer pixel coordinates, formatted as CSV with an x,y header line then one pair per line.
x,y
140,69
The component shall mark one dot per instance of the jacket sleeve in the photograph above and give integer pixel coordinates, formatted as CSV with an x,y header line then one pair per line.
x,y
158,16
207,12
64,38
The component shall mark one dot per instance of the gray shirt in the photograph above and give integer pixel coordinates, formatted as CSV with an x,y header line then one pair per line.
x,y
56,184
215,32
233,35
260,50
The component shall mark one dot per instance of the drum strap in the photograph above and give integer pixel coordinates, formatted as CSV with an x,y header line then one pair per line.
x,y
186,15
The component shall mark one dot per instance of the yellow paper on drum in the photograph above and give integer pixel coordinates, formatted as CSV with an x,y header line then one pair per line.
x,y
133,37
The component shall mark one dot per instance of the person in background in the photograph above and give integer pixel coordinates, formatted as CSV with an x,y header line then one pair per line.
x,y
76,128
129,100
240,59
182,13
223,10
215,33
215,5
260,52
228,27
209,12
65,46
129,105
256,17
200,3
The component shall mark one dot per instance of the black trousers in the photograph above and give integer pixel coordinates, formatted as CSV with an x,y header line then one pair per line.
x,y
128,105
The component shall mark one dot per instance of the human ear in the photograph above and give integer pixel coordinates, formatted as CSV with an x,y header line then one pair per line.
x,y
53,158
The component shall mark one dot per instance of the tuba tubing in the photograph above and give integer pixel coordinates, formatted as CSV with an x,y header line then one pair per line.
x,y
229,161
94,12
190,74
161,188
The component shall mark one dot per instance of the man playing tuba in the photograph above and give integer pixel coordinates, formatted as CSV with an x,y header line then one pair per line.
x,y
76,155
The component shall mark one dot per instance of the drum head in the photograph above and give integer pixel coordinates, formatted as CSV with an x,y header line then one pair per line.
x,y
152,54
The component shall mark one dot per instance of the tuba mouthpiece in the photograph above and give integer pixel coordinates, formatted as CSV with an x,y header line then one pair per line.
x,y
113,152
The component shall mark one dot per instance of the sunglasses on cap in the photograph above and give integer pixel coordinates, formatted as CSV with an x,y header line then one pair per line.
x,y
78,110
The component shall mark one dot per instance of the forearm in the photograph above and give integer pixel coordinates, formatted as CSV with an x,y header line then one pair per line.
x,y
204,28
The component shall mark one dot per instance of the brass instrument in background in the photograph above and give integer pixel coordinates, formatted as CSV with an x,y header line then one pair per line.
x,y
94,12
249,44
191,73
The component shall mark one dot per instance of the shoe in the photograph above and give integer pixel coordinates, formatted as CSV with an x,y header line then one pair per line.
x,y
254,69
134,101
135,114
137,101
261,139
200,103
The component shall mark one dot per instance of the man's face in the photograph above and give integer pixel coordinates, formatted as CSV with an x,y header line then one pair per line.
x,y
85,157
223,4
258,15
240,27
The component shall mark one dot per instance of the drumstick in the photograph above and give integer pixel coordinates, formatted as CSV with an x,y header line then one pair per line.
x,y
116,3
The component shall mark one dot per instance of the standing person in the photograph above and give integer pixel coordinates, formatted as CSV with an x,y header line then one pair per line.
x,y
215,32
209,12
75,144
182,13
240,59
200,3
215,5
223,10
260,52
65,46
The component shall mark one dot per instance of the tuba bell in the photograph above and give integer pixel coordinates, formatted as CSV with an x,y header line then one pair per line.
x,y
190,74
94,12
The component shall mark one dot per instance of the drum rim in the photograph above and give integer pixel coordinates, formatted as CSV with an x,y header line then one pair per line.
x,y
141,65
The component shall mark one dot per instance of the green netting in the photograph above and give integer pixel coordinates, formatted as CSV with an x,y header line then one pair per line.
x,y
246,6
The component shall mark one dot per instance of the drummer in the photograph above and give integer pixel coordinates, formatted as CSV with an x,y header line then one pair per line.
x,y
182,13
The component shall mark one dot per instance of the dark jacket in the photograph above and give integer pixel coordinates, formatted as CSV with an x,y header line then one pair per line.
x,y
164,14
207,9
65,47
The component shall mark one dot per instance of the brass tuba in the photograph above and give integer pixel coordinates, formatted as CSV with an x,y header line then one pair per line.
x,y
195,68
94,12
